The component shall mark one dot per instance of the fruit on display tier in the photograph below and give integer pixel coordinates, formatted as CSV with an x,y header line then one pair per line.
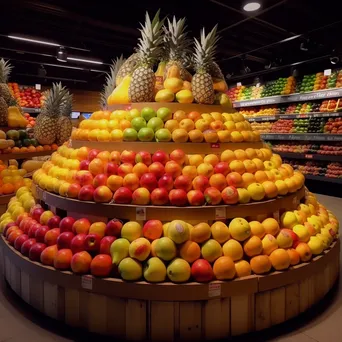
x,y
167,44
26,96
321,149
163,125
174,251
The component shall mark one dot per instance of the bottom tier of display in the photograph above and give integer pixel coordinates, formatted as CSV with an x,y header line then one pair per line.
x,y
166,311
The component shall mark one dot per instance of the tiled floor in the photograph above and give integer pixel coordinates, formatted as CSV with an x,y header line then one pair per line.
x,y
323,323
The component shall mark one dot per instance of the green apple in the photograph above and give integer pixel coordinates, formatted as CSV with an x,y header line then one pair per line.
x,y
130,134
130,269
154,270
164,114
133,113
146,134
163,135
165,248
155,124
148,113
138,123
178,271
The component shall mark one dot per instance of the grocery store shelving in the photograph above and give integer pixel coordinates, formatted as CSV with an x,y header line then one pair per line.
x,y
31,110
25,155
309,96
293,116
308,156
301,136
324,179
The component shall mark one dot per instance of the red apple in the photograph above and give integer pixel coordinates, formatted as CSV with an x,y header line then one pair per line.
x,y
113,228
101,265
123,196
178,197
48,255
92,242
195,197
9,225
159,196
25,247
157,169
183,182
84,165
202,271
230,195
178,156
84,177
222,167
32,231
102,194
105,244
80,262
148,181
18,242
37,213
12,237
111,169
62,259
36,250
78,243
160,156
127,157
93,154
200,183
19,219
51,236
66,224
40,233
64,240
143,157
54,222
81,226
73,190
100,179
212,196
86,193
166,182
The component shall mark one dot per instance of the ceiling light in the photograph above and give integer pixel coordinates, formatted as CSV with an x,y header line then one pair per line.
x,y
334,60
304,46
251,6
33,40
62,55
83,60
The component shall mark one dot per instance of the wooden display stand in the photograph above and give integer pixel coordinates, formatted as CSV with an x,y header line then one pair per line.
x,y
167,311
4,199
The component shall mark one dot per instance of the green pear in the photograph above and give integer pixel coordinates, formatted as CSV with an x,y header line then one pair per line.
x,y
154,270
119,250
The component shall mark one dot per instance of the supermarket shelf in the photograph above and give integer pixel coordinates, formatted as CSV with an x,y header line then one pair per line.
x,y
31,110
293,116
26,155
309,96
300,136
6,129
309,156
4,199
324,179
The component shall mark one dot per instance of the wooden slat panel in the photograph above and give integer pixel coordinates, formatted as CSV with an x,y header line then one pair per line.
x,y
72,307
311,291
319,286
53,300
242,314
292,301
36,293
262,310
15,275
278,306
97,313
190,320
162,321
25,286
2,261
303,295
136,320
8,269
116,316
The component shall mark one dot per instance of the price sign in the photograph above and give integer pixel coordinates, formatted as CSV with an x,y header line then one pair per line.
x,y
215,145
220,213
239,84
38,87
327,72
308,156
87,282
140,214
257,85
214,290
295,201
276,215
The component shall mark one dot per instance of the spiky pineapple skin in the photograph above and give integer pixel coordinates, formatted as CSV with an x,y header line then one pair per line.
x,y
215,71
45,131
142,84
5,93
65,128
127,68
3,112
203,88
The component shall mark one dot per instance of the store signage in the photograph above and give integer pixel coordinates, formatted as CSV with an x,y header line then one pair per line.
x,y
327,72
38,87
305,137
214,290
87,282
316,95
140,213
239,84
215,145
220,213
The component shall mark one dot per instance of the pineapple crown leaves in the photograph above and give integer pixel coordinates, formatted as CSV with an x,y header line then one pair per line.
x,y
110,80
175,39
205,49
149,45
66,106
55,100
5,70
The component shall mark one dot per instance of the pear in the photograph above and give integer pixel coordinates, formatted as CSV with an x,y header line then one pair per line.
x,y
119,250
154,270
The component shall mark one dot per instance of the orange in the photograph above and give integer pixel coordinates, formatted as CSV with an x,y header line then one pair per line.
x,y
54,146
7,189
257,229
15,150
271,226
23,149
190,251
242,268
261,264
19,184
31,149
224,268
294,256
253,246
47,148
248,178
280,259
271,189
39,148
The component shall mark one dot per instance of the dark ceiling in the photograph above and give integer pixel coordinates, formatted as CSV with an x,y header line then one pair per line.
x,y
105,29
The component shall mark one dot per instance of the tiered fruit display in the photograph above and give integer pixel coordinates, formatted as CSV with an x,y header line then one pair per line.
x,y
283,126
262,127
261,111
322,169
301,125
333,126
175,251
164,126
12,178
238,176
28,97
282,86
335,150
308,83
30,119
316,125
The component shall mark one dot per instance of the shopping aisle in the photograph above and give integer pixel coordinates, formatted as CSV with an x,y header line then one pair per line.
x,y
18,322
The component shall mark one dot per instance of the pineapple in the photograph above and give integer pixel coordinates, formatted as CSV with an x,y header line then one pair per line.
x,y
202,83
215,71
3,112
5,70
110,81
64,124
177,47
141,88
126,68
45,130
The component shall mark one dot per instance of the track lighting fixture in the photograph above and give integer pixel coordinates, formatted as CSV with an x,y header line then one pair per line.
x,y
62,55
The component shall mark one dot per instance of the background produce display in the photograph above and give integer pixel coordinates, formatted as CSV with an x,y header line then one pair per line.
x,y
26,96
175,251
322,149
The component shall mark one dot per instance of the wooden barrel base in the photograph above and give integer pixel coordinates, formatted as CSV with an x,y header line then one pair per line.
x,y
168,312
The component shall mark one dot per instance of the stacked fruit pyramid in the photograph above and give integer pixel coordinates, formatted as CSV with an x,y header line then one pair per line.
x,y
166,248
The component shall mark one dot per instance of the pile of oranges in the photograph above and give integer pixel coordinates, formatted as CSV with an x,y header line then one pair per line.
x,y
29,149
12,178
